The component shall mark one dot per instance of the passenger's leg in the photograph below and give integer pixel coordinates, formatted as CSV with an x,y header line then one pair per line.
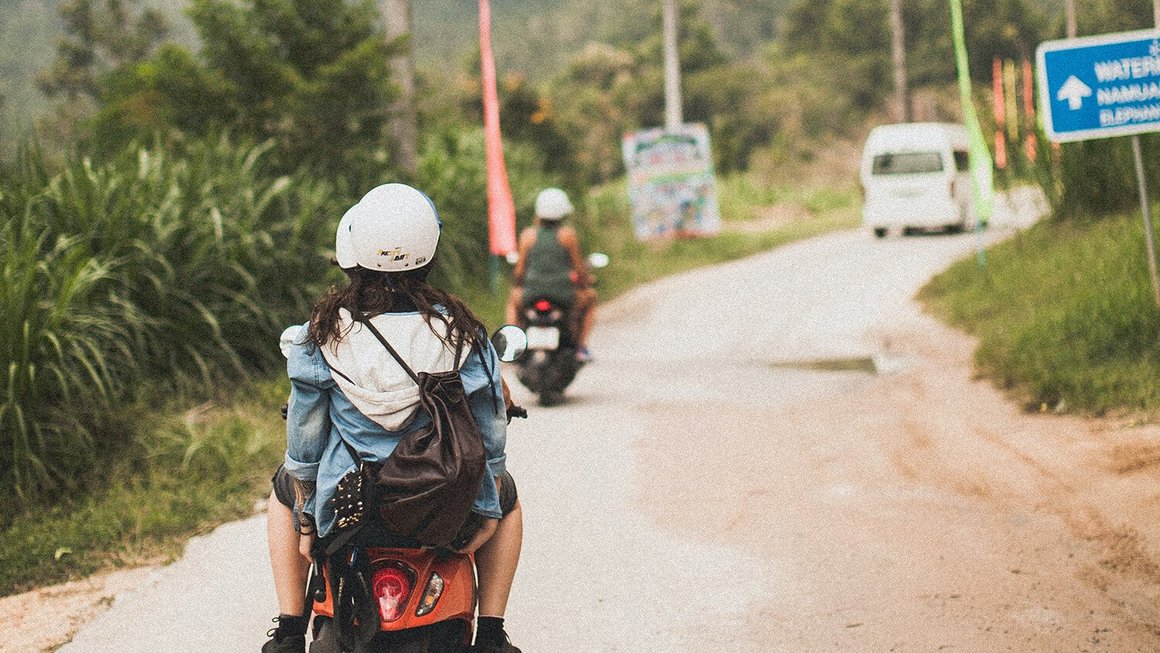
x,y
289,567
290,574
496,562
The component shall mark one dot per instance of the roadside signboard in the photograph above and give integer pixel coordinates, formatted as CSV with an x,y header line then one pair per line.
x,y
1100,86
671,184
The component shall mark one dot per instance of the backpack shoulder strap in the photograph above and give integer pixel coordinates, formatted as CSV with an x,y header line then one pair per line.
x,y
458,354
394,354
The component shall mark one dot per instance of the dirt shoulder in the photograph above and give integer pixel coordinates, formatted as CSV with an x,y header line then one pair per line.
x,y
47,618
924,510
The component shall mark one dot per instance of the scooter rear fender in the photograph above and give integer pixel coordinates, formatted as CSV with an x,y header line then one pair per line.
x,y
459,590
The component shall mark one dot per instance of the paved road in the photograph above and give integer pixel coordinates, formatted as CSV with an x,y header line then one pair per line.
x,y
602,570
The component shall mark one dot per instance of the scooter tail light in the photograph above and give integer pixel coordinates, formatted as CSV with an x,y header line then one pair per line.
x,y
392,588
430,595
543,305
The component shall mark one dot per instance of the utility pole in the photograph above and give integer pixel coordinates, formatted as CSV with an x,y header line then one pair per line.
x,y
898,49
673,117
402,125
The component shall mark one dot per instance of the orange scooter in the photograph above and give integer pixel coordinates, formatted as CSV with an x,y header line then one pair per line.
x,y
425,600
390,594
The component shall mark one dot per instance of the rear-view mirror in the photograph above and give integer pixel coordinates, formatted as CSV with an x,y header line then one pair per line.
x,y
510,342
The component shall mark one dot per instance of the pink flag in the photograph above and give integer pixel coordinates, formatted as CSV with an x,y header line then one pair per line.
x,y
501,209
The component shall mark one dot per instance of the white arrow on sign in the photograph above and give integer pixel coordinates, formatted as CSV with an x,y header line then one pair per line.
x,y
1074,91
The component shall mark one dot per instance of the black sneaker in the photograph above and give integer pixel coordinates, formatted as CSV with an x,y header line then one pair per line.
x,y
288,644
495,647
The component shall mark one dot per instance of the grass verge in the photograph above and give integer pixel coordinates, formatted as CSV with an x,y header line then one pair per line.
x,y
186,472
191,469
1064,315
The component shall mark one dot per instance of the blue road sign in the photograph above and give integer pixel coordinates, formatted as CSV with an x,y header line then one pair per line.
x,y
1100,86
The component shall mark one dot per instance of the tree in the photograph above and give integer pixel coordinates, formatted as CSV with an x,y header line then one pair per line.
x,y
310,75
100,38
854,36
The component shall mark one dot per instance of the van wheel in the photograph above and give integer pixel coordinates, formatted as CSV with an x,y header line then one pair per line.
x,y
879,232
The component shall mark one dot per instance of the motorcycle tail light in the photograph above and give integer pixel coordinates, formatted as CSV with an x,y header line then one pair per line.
x,y
543,305
392,588
430,595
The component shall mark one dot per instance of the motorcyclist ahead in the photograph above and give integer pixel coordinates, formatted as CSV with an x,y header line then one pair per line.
x,y
550,265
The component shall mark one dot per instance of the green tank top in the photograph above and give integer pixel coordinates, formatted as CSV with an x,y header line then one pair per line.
x,y
548,269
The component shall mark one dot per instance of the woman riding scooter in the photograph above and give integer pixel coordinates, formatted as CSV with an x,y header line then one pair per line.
x,y
347,392
550,265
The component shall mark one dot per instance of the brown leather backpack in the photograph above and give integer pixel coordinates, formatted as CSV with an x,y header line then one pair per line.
x,y
426,487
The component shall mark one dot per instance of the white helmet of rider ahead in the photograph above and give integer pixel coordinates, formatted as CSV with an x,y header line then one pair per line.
x,y
553,204
393,228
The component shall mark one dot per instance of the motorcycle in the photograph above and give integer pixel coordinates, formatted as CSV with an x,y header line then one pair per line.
x,y
550,363
393,595
424,598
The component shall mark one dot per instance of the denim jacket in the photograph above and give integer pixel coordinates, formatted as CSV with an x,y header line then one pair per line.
x,y
319,411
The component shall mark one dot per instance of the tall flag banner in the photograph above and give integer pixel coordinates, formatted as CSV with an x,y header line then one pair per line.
x,y
1029,110
1010,83
1000,112
980,156
501,209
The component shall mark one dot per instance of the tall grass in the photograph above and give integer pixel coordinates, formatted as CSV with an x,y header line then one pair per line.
x,y
147,273
163,273
1064,313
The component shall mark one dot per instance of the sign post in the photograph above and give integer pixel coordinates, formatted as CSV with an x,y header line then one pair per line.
x,y
1104,86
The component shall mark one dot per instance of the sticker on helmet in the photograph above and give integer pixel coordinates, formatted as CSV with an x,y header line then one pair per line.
x,y
396,254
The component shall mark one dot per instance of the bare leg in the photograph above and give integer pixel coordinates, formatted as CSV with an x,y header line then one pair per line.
x,y
496,563
511,312
290,568
586,306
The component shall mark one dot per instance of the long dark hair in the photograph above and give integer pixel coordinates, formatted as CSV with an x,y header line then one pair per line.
x,y
373,292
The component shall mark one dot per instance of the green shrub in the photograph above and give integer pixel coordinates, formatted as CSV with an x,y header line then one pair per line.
x,y
1064,312
150,272
1094,178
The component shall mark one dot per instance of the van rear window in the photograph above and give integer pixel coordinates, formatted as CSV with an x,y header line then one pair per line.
x,y
907,163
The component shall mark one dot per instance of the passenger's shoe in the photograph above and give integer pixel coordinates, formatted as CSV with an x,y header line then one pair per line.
x,y
288,644
583,355
495,647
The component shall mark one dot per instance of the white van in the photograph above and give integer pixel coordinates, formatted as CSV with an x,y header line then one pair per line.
x,y
916,176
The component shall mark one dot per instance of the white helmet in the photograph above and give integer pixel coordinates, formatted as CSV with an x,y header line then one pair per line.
x,y
553,204
393,228
343,248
